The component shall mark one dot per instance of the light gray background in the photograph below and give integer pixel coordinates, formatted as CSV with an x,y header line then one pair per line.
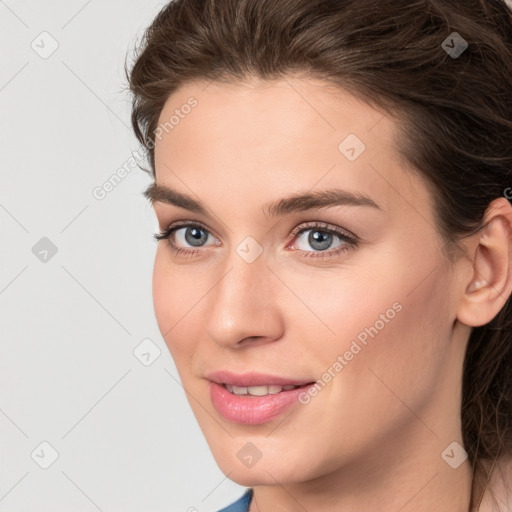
x,y
124,432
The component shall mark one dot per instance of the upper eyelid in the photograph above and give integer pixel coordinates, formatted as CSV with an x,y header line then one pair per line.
x,y
324,226
185,224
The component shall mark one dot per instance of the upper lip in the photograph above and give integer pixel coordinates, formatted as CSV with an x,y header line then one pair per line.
x,y
254,379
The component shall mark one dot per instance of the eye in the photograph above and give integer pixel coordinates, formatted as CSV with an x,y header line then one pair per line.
x,y
320,239
194,234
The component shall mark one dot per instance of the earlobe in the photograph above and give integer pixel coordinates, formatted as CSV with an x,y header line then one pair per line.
x,y
491,282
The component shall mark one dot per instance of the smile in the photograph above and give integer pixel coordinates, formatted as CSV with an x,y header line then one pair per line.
x,y
254,405
272,389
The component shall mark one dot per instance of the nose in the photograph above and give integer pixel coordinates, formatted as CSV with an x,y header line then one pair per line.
x,y
244,308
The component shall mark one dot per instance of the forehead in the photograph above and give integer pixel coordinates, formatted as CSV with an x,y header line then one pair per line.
x,y
282,135
290,107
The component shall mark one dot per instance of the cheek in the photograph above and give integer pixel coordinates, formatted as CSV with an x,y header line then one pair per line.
x,y
401,360
163,293
393,323
173,304
393,371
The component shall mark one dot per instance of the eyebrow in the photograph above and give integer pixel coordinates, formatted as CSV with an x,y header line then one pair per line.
x,y
295,203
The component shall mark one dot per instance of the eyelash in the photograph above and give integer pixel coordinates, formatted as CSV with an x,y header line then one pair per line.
x,y
350,242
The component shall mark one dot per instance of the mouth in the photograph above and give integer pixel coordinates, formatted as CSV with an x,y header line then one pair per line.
x,y
253,399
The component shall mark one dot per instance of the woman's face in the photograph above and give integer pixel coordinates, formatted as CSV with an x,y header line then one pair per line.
x,y
349,290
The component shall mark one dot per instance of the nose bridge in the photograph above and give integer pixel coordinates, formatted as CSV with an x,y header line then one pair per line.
x,y
242,304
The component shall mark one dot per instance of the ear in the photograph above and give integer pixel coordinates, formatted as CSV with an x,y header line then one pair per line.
x,y
490,284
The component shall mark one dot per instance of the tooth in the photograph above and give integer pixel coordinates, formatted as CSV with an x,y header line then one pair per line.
x,y
239,390
257,390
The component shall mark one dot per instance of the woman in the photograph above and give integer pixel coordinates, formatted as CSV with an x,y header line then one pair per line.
x,y
334,272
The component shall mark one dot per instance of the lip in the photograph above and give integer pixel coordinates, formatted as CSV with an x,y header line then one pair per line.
x,y
254,379
253,410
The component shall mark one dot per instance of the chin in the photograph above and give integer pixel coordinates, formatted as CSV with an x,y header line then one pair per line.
x,y
264,475
266,471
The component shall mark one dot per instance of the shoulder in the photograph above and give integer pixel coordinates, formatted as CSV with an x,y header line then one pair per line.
x,y
498,495
241,504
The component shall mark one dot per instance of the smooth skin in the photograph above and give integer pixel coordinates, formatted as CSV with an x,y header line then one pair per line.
x,y
372,438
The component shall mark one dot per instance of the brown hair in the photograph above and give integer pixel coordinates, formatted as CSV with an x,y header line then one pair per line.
x,y
455,114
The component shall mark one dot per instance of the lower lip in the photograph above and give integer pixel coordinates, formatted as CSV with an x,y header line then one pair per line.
x,y
253,410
